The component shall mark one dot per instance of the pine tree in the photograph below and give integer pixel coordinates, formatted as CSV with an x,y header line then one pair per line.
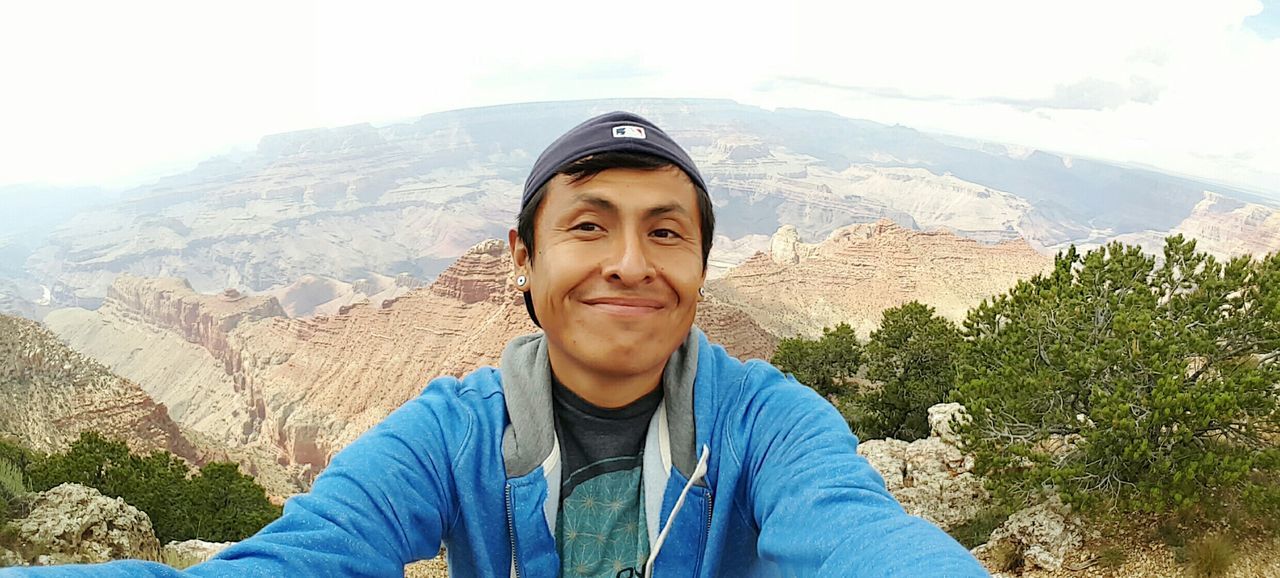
x,y
912,360
1127,384
825,364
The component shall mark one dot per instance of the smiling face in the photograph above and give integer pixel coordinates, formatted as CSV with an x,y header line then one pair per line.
x,y
617,270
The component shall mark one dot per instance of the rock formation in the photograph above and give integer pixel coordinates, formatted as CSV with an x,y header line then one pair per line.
x,y
191,552
50,393
931,477
1222,226
1041,536
861,270
317,295
1228,227
77,524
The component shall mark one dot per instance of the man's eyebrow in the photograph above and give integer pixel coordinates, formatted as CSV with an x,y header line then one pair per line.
x,y
667,208
596,201
608,206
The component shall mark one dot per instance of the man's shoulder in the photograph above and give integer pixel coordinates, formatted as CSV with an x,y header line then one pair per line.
x,y
752,388
482,382
737,376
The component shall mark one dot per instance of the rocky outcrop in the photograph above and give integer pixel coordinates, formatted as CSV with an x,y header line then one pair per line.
x,y
785,247
1228,227
205,320
861,270
1220,225
931,477
729,326
191,552
480,276
943,419
318,295
76,524
50,393
1041,537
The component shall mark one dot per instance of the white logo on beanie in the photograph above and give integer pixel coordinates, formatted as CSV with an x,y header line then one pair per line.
x,y
628,131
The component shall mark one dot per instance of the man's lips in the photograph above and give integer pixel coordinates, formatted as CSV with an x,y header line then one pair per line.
x,y
627,306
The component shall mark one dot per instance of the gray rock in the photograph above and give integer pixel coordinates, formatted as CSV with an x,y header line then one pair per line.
x,y
191,552
943,417
9,558
931,477
1040,536
75,524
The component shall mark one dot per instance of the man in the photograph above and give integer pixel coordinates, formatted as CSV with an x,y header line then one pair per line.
x,y
619,442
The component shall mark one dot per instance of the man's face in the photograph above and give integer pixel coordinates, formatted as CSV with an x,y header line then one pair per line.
x,y
618,266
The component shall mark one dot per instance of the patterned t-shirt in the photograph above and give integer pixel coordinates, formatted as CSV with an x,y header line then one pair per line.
x,y
601,530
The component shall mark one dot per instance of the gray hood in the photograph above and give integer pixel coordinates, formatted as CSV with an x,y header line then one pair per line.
x,y
526,383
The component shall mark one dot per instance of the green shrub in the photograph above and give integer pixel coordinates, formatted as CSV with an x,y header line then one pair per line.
x,y
912,357
12,484
825,364
1211,555
217,504
226,505
15,454
1161,377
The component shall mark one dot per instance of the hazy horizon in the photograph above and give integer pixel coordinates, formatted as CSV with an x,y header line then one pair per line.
x,y
118,96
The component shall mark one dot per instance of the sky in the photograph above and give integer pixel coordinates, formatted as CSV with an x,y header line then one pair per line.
x,y
117,94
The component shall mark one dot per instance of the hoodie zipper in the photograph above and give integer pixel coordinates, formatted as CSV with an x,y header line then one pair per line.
x,y
511,531
706,533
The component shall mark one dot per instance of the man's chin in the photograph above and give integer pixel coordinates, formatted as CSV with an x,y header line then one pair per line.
x,y
624,358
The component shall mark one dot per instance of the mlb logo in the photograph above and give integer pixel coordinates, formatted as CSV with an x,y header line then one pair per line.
x,y
628,131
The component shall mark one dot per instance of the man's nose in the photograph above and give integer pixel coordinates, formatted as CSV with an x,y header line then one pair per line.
x,y
629,261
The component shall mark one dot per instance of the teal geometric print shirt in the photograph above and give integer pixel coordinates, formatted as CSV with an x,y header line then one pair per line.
x,y
600,529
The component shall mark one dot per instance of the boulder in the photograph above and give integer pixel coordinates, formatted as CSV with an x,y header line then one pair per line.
x,y
942,418
76,524
191,552
1038,537
10,558
931,477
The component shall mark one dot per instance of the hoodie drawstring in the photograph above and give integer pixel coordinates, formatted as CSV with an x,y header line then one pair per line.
x,y
699,473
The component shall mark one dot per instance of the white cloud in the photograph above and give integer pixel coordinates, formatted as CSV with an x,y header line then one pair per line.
x,y
101,93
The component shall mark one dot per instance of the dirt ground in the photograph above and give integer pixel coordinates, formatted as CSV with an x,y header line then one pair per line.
x,y
1254,559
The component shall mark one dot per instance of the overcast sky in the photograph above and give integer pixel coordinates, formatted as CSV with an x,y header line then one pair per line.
x,y
117,93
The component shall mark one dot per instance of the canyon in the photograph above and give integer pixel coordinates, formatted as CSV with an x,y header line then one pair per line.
x,y
236,368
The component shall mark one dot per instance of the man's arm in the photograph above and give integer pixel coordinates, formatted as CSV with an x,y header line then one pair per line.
x,y
821,508
384,501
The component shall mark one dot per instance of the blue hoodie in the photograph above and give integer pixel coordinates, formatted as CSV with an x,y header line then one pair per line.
x,y
755,475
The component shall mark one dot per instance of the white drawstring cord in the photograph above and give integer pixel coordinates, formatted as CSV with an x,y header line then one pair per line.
x,y
698,473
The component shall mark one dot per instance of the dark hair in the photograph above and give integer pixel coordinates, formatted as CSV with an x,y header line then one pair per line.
x,y
587,167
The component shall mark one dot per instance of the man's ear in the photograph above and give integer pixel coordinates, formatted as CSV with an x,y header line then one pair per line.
x,y
519,253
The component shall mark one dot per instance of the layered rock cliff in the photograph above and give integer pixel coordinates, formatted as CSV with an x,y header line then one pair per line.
x,y
49,394
1220,225
861,270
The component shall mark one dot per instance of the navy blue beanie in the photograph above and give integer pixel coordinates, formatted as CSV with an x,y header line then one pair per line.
x,y
610,132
